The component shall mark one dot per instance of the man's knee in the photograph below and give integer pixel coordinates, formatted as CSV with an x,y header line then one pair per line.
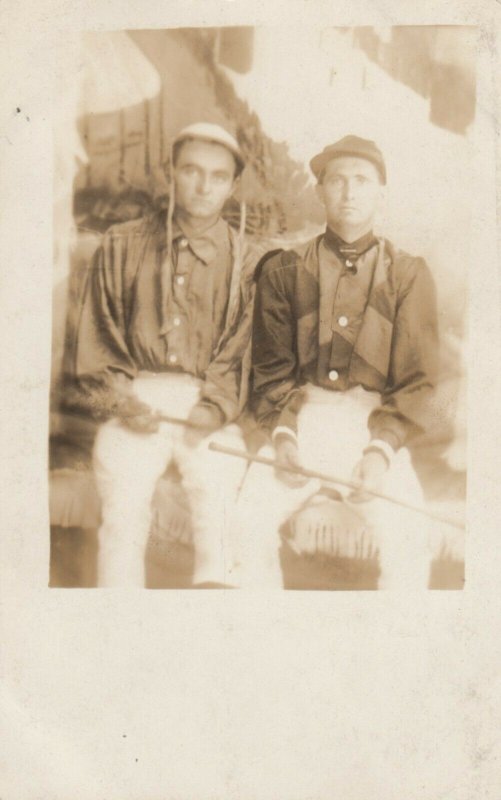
x,y
206,470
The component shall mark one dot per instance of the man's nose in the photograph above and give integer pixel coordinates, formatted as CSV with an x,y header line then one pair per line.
x,y
204,184
349,187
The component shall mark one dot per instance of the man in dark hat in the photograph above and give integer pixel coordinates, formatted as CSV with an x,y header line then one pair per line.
x,y
343,364
162,334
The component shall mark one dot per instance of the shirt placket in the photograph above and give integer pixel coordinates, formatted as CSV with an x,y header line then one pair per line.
x,y
349,301
330,272
177,315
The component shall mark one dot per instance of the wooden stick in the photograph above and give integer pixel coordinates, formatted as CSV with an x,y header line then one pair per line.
x,y
309,473
175,421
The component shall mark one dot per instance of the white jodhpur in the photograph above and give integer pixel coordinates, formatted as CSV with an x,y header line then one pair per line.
x,y
332,433
127,466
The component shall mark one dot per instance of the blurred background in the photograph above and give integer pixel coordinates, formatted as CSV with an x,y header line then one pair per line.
x,y
285,92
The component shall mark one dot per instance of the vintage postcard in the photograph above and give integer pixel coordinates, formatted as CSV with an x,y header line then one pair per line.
x,y
251,321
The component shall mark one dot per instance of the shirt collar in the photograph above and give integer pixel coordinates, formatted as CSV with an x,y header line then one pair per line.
x,y
205,245
349,249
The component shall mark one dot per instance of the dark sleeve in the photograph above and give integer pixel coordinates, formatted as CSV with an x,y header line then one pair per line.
x,y
100,365
406,408
226,384
274,390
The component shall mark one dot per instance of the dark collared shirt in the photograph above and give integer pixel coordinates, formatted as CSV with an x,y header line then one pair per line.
x,y
140,313
343,298
316,321
195,290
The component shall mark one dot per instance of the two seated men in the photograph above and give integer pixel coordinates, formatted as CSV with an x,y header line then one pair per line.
x,y
331,346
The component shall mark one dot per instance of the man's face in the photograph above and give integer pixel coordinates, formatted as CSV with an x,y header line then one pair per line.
x,y
204,175
351,192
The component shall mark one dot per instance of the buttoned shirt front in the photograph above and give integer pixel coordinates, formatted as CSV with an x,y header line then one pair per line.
x,y
317,321
197,297
343,298
141,313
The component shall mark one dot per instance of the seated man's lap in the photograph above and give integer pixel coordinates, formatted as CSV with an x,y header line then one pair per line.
x,y
216,470
125,458
332,429
331,439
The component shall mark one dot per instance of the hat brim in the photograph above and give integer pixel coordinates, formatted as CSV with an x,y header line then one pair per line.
x,y
213,140
320,161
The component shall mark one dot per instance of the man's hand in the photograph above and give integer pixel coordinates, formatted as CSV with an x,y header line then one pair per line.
x,y
287,454
202,421
368,474
137,416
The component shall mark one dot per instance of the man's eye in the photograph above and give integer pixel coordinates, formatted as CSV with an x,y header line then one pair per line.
x,y
189,170
220,177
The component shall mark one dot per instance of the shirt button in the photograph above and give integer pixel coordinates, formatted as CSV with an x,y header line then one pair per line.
x,y
180,280
343,321
177,322
333,375
183,243
173,359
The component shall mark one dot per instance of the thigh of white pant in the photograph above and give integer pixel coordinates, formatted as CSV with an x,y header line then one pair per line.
x,y
401,480
265,501
206,470
332,437
128,464
401,484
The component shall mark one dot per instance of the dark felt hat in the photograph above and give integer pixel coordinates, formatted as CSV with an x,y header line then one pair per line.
x,y
349,146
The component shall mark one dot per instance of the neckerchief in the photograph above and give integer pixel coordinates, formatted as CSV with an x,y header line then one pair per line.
x,y
349,252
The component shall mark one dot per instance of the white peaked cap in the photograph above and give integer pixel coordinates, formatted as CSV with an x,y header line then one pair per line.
x,y
208,132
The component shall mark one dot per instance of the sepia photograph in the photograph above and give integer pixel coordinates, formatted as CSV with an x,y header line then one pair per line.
x,y
250,344
260,309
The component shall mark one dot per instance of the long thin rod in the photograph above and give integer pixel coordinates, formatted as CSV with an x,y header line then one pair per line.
x,y
176,421
310,473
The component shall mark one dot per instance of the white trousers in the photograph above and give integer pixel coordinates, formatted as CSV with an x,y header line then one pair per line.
x,y
332,433
127,466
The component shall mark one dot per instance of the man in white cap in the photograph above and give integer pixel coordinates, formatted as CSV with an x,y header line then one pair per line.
x,y
343,363
163,332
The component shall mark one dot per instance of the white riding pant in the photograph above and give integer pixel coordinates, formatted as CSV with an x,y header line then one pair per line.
x,y
127,466
332,433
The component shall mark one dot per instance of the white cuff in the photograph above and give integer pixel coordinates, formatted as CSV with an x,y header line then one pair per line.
x,y
283,429
383,446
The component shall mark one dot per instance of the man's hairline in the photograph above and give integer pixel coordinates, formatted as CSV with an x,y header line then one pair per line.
x,y
177,147
321,177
